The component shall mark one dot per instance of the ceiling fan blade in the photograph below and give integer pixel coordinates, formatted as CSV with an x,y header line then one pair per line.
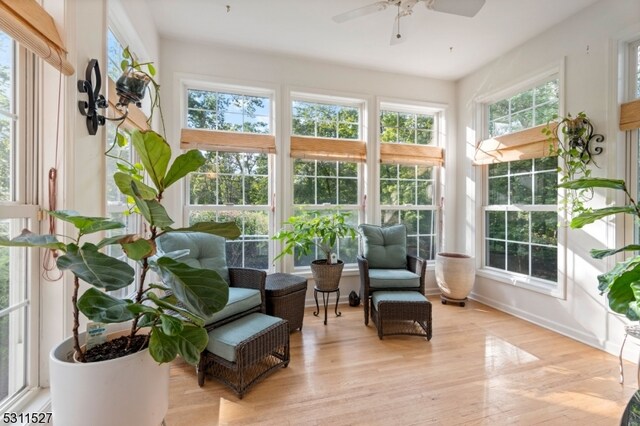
x,y
467,8
361,11
400,29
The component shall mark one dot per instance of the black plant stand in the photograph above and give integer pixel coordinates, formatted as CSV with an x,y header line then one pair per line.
x,y
325,301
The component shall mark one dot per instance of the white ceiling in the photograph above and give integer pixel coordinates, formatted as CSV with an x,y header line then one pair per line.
x,y
436,44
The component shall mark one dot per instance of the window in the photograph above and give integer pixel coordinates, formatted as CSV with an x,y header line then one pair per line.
x,y
407,190
116,203
18,280
233,185
526,109
520,212
325,186
635,71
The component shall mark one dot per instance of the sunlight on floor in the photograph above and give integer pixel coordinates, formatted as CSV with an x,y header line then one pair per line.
x,y
499,353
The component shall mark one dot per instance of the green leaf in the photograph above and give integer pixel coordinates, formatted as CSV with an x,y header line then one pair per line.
x,y
171,326
96,268
171,303
163,348
599,254
86,224
115,239
228,230
588,217
99,306
621,293
138,249
154,153
121,140
191,342
123,182
139,308
124,64
203,291
152,69
584,183
186,163
154,213
29,239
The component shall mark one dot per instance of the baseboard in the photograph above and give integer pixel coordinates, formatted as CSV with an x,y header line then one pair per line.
x,y
545,323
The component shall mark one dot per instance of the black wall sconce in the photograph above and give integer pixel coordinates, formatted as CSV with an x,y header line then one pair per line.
x,y
130,87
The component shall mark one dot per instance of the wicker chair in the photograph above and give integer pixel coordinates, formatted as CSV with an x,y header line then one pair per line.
x,y
384,264
208,251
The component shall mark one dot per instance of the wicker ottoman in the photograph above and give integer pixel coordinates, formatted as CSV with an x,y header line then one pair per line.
x,y
285,294
401,312
243,352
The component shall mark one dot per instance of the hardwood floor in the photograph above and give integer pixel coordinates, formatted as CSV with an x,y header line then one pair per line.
x,y
482,367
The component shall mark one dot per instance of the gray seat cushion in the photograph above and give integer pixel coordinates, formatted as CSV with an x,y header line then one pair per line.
x,y
393,278
397,296
206,251
386,247
224,340
240,300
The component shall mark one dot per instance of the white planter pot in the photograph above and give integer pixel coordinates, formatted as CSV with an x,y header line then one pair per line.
x,y
455,275
132,390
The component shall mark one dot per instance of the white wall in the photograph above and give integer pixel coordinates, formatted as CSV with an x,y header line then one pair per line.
x,y
587,44
282,73
83,24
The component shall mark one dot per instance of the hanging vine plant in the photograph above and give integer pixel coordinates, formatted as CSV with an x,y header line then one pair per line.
x,y
570,140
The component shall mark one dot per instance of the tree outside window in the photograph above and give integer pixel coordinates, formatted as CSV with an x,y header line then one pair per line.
x,y
233,186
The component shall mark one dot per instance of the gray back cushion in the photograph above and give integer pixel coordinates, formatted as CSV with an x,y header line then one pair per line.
x,y
385,248
206,251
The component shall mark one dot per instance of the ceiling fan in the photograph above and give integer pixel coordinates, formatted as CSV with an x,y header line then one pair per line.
x,y
467,8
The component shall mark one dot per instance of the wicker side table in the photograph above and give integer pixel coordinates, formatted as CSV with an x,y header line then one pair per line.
x,y
285,294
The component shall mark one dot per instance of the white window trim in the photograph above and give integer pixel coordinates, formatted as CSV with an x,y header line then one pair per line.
x,y
559,289
361,102
438,110
186,82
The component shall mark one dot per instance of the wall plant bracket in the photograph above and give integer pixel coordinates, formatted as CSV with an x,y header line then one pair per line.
x,y
95,100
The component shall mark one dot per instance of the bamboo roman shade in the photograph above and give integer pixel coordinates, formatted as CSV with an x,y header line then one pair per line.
x,y
523,145
630,115
411,154
218,140
30,25
136,119
313,148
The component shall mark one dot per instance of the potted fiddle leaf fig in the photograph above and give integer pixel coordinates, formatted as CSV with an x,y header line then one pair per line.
x,y
302,234
158,325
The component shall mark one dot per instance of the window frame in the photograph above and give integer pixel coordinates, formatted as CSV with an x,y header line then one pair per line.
x,y
412,107
557,289
25,206
196,83
357,210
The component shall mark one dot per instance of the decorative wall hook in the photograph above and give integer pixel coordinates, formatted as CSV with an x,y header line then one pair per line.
x,y
95,100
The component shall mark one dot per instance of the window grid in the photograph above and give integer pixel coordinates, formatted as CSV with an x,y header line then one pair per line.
x,y
324,187
406,196
325,120
521,218
403,127
234,112
524,110
18,265
233,186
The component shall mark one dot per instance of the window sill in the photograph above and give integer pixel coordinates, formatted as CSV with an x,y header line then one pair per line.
x,y
37,400
522,281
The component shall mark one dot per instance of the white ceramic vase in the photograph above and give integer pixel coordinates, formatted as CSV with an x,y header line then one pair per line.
x,y
455,275
132,390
